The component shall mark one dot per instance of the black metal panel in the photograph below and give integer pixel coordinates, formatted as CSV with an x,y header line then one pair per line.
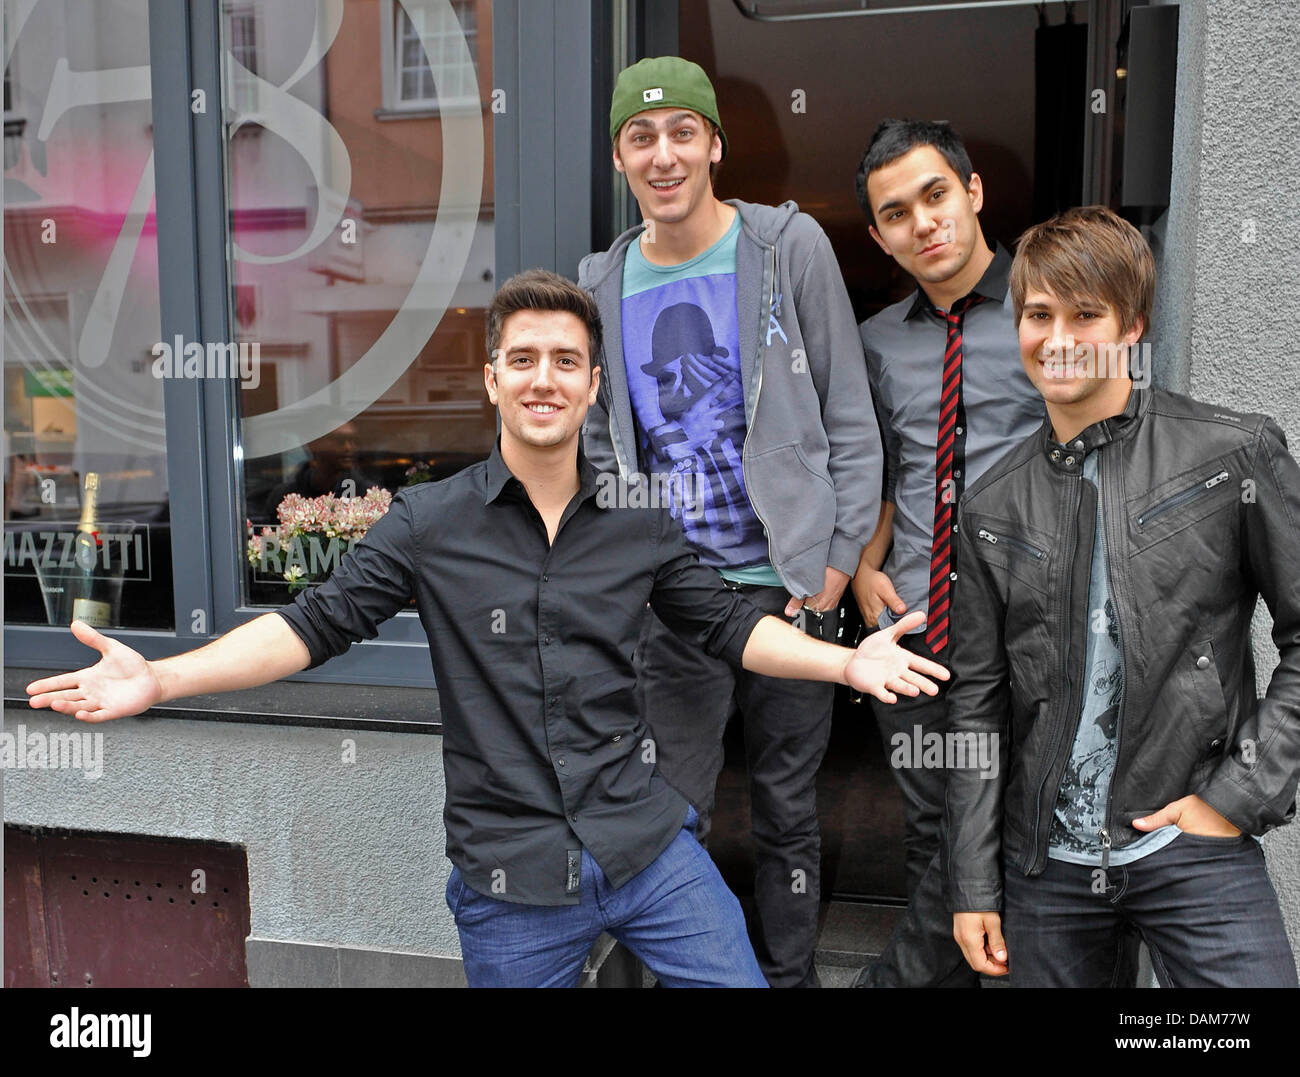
x,y
572,108
223,536
178,296
1149,108
506,162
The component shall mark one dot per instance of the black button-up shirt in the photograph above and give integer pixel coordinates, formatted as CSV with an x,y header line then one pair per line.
x,y
543,749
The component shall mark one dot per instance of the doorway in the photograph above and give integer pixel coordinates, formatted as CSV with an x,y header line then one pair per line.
x,y
801,86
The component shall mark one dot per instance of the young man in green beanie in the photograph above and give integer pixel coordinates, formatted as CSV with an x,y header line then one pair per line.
x,y
736,387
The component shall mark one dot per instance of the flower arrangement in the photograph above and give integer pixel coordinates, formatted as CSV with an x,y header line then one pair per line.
x,y
314,534
420,471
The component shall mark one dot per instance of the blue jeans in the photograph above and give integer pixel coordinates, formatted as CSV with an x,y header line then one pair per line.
x,y
1204,905
677,916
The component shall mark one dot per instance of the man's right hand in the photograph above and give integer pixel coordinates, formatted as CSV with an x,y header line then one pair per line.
x,y
874,591
121,683
971,929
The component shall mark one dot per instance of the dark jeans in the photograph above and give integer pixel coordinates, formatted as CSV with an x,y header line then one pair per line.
x,y
686,699
1205,907
922,951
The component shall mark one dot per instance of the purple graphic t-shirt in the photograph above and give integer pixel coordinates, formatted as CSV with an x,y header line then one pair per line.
x,y
681,349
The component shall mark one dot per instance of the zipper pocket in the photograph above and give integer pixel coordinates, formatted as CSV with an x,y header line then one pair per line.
x,y
1013,543
1190,494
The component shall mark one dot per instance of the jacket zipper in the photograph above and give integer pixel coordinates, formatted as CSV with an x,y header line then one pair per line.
x,y
1014,543
618,456
1037,856
744,446
1190,494
1109,520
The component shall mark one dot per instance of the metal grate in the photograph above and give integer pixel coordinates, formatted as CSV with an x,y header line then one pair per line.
x,y
119,911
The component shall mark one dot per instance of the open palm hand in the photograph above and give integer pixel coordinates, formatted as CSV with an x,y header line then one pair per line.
x,y
881,667
119,684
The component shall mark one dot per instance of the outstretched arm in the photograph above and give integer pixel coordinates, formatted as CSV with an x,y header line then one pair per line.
x,y
691,600
122,682
371,584
879,666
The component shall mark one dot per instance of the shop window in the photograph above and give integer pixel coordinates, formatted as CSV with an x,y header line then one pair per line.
x,y
87,530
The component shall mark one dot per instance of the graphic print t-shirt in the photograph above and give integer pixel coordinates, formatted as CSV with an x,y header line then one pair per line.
x,y
681,349
1085,785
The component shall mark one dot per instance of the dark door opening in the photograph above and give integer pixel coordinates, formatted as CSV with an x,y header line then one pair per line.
x,y
799,99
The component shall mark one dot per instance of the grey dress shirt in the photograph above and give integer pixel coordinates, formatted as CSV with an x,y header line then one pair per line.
x,y
904,347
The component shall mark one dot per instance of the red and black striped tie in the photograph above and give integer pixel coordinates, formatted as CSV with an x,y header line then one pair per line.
x,y
945,497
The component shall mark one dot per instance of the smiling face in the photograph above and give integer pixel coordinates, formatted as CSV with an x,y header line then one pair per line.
x,y
665,154
1075,351
923,218
542,381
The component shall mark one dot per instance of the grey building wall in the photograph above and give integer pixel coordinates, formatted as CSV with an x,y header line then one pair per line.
x,y
345,855
1229,263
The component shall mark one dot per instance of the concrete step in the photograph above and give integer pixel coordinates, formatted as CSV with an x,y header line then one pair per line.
x,y
852,933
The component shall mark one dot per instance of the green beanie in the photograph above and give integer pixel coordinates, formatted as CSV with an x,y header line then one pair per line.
x,y
663,82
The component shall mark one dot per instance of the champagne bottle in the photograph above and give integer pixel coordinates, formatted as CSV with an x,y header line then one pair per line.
x,y
88,603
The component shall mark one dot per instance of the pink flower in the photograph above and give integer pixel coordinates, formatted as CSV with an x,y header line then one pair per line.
x,y
333,517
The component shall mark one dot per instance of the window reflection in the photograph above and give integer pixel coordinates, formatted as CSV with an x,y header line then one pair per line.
x,y
360,208
85,490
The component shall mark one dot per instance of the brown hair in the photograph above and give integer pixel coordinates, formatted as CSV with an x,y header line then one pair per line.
x,y
1087,254
714,166
540,289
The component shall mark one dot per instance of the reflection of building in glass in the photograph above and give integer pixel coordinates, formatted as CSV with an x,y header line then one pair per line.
x,y
81,307
377,112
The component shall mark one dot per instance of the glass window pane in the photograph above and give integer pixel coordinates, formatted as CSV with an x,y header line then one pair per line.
x,y
363,263
85,486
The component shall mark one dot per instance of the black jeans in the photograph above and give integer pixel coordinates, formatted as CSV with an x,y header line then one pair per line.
x,y
1205,907
922,951
686,699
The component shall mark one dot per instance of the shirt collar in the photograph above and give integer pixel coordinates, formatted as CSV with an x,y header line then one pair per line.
x,y
1069,456
992,285
500,478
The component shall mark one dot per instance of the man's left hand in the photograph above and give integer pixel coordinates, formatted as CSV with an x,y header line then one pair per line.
x,y
827,599
1190,814
881,668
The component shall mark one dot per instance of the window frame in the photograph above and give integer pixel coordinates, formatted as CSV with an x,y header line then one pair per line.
x,y
392,15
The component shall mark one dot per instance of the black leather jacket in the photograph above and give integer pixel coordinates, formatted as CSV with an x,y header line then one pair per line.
x,y
1201,514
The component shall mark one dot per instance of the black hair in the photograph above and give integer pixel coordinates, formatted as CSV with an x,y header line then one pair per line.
x,y
893,138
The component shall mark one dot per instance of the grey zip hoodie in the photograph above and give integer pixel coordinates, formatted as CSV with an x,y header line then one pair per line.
x,y
812,457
